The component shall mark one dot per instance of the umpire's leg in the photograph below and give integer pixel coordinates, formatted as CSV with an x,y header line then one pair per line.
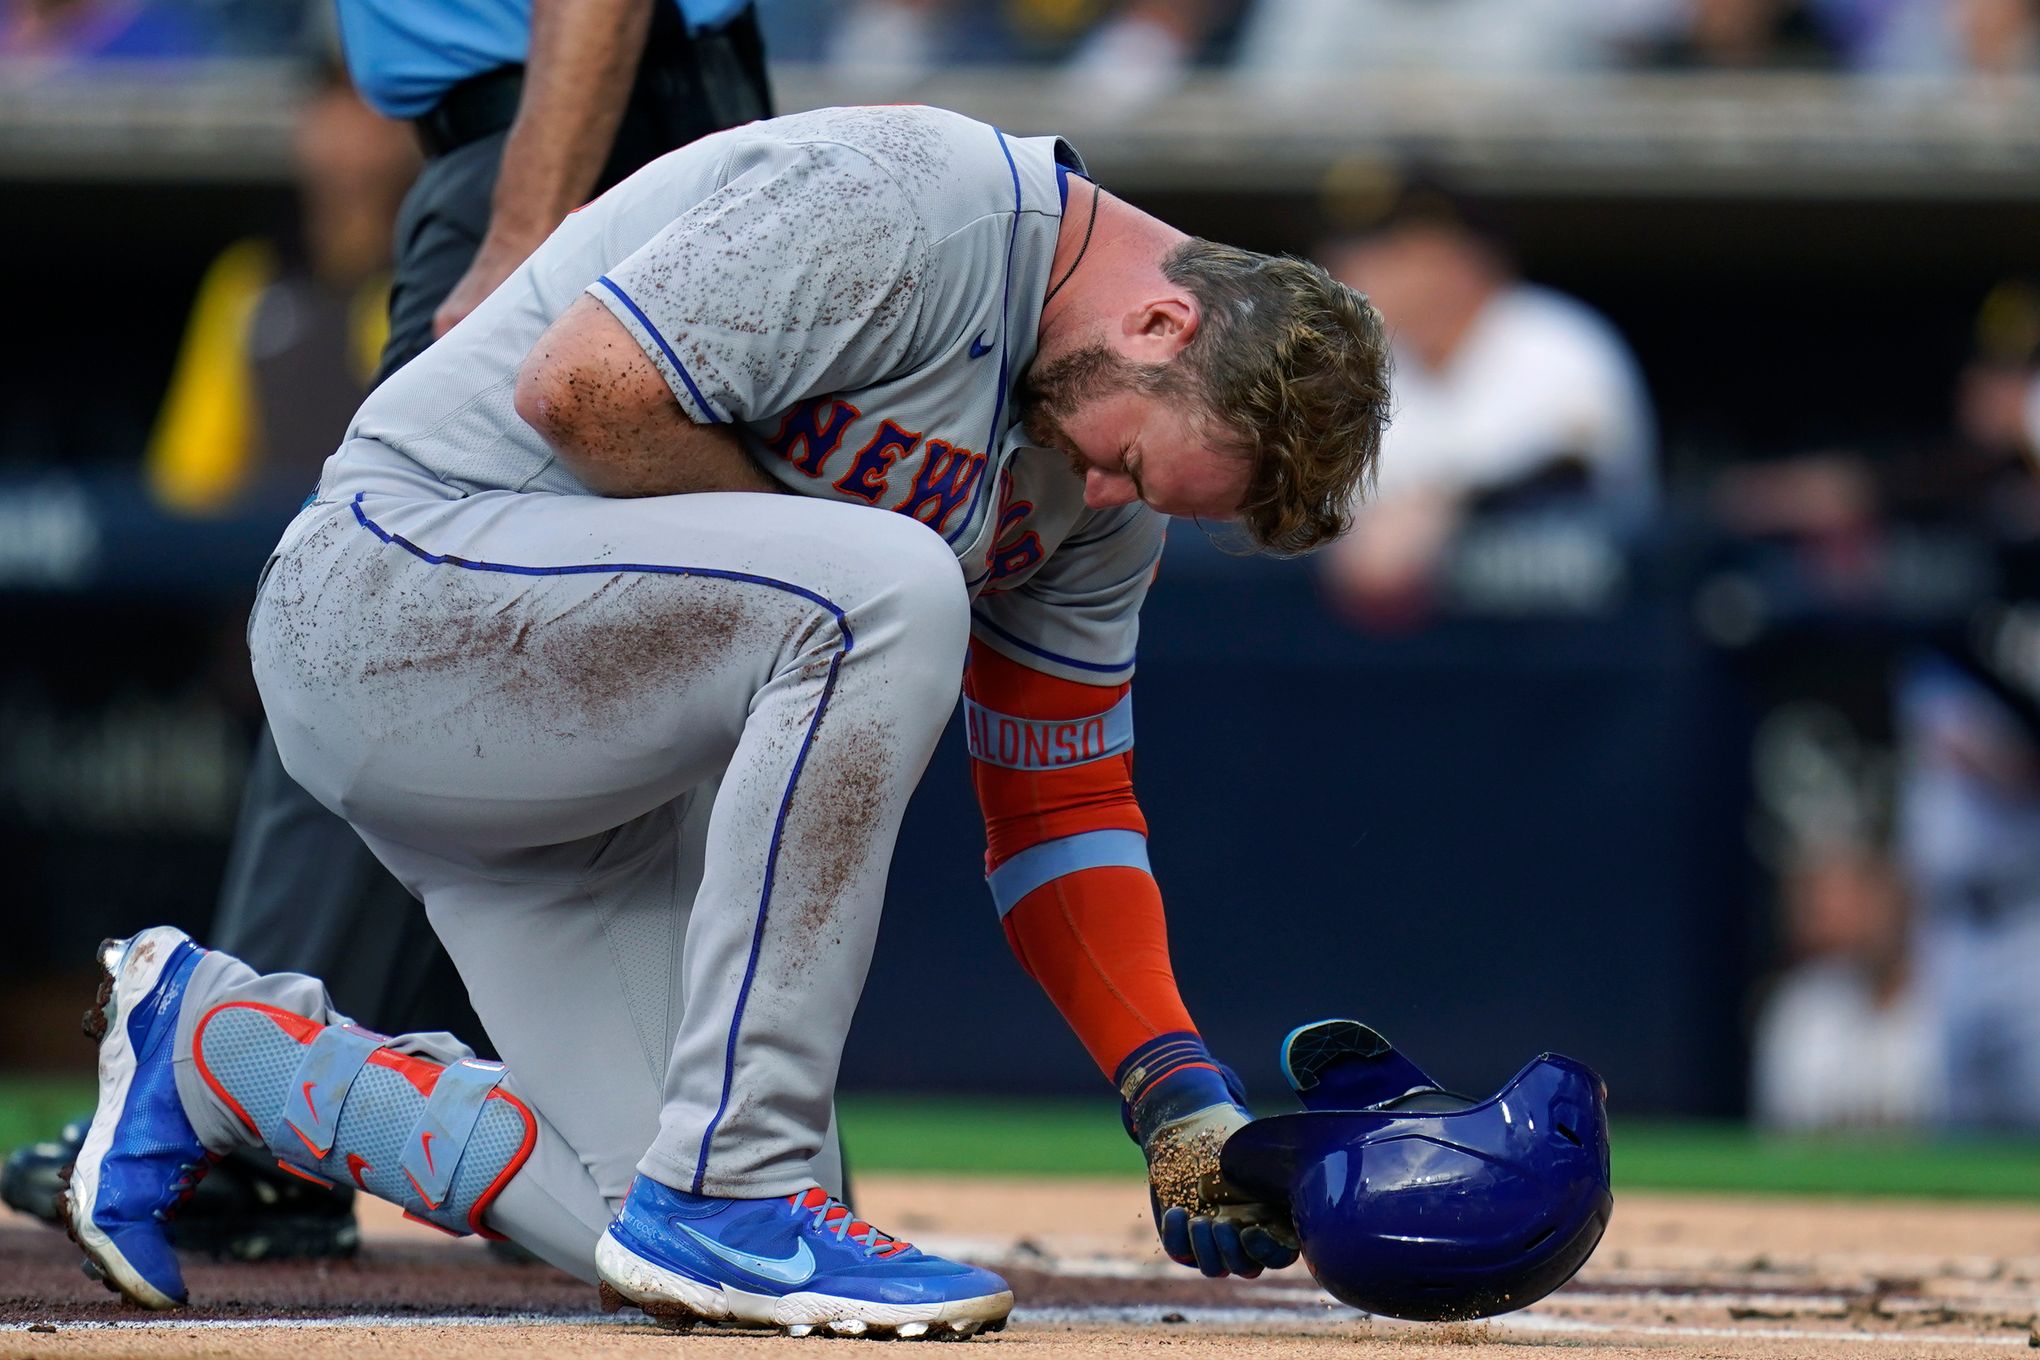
x,y
302,894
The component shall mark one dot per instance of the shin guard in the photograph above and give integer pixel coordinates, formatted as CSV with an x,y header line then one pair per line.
x,y
335,1103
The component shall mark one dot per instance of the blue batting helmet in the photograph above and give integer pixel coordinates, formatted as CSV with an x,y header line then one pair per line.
x,y
1412,1202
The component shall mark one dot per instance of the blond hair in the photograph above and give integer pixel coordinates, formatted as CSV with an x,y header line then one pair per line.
x,y
1292,366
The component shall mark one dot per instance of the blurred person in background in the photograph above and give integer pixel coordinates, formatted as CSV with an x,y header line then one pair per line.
x,y
1143,50
1284,38
1741,35
1834,507
1935,37
1505,393
1117,55
1966,714
1985,472
1844,1039
1969,838
284,336
888,44
524,111
59,31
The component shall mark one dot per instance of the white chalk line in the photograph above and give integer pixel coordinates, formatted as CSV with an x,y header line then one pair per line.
x,y
1146,1316
1153,1314
1535,1322
343,1322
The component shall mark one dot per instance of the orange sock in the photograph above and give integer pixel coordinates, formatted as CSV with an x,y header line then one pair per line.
x,y
1097,943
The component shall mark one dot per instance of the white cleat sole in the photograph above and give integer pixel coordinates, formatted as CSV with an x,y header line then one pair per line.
x,y
127,975
681,1302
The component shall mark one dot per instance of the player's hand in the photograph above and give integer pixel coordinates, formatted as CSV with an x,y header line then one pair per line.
x,y
1203,1219
494,262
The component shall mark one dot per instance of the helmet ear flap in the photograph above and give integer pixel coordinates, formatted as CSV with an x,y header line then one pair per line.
x,y
1261,1157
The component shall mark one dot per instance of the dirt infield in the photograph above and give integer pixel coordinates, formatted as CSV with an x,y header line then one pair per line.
x,y
1677,1277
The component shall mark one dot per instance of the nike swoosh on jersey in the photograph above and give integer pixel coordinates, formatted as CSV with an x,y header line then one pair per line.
x,y
978,348
796,1269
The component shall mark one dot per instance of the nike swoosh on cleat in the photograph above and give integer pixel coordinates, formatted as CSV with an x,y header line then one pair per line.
x,y
978,348
355,1166
308,1099
796,1269
425,1142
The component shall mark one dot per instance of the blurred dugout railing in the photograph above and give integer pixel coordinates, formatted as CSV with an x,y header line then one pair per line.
x,y
1773,135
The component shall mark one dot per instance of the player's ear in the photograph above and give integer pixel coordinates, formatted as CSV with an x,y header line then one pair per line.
x,y
1158,328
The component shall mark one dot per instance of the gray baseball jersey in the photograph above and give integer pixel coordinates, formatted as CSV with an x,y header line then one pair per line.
x,y
644,760
855,291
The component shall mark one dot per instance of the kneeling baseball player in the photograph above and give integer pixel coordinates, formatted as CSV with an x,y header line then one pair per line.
x,y
638,727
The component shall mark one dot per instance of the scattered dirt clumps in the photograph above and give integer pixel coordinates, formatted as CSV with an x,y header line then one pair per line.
x,y
836,814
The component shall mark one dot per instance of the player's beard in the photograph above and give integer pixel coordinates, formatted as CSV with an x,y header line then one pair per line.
x,y
1052,390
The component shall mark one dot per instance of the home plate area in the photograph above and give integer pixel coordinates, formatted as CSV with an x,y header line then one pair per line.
x,y
1677,1275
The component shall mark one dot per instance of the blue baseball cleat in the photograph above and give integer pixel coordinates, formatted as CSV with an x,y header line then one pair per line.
x,y
800,1263
141,1157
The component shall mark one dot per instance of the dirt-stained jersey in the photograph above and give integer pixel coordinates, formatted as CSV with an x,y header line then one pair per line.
x,y
856,292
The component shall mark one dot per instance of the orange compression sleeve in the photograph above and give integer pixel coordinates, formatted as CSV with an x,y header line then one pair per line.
x,y
1066,852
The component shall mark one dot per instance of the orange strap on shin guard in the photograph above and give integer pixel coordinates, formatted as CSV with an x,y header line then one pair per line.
x,y
1066,851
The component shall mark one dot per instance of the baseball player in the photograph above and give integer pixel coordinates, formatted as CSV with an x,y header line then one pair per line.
x,y
638,726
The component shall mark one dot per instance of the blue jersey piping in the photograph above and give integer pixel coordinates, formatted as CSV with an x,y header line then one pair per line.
x,y
664,349
1042,652
1005,334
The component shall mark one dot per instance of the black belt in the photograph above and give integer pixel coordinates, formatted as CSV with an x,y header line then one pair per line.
x,y
478,107
484,105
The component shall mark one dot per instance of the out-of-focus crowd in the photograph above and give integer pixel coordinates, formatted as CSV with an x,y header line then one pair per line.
x,y
1146,45
1903,837
1907,866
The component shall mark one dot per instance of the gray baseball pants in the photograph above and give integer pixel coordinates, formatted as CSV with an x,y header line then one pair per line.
x,y
644,762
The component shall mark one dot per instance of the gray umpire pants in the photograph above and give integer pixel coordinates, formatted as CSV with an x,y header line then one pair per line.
x,y
301,892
